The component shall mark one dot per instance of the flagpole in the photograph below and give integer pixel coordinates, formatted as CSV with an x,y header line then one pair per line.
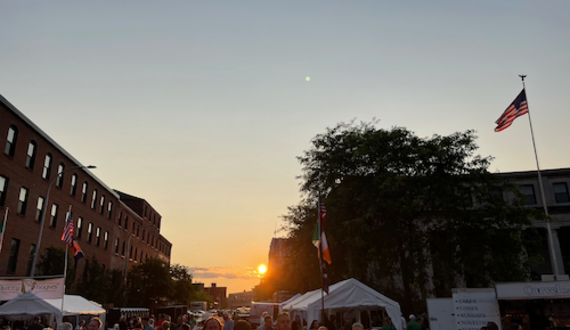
x,y
65,267
3,227
553,258
321,254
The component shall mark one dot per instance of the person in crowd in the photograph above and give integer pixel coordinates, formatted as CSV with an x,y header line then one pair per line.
x,y
515,326
212,323
322,328
262,319
242,325
357,326
297,325
80,325
36,324
160,320
413,324
94,324
347,321
388,325
122,323
228,322
314,325
283,321
267,323
65,326
198,325
146,325
185,326
165,325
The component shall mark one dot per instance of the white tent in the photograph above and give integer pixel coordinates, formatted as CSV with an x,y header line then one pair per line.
x,y
288,301
77,305
26,306
347,294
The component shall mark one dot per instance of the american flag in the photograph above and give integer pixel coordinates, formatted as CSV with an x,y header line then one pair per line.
x,y
67,234
518,108
323,211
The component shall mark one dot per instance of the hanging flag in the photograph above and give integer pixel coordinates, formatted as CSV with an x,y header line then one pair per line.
x,y
67,234
3,228
77,252
518,108
319,237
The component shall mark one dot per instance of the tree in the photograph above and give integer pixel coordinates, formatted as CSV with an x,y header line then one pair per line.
x,y
408,215
94,284
183,290
149,282
52,262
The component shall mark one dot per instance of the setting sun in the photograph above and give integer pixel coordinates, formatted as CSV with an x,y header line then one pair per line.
x,y
262,269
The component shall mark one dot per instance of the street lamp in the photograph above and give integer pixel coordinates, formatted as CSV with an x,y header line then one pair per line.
x,y
46,202
127,253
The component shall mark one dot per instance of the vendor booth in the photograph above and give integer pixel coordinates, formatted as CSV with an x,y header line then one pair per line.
x,y
76,308
347,295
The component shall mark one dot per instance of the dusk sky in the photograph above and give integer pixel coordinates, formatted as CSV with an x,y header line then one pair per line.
x,y
201,107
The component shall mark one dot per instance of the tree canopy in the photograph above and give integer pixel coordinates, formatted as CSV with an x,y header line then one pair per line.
x,y
412,217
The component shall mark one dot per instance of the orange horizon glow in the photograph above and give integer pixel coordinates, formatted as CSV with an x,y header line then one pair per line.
x,y
262,269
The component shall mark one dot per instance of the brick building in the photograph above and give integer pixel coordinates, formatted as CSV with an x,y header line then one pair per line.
x,y
104,218
218,293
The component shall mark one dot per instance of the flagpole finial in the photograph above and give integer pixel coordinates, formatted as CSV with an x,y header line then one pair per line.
x,y
522,76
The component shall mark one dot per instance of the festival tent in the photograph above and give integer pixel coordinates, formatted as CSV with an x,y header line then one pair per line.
x,y
288,301
77,305
345,295
26,306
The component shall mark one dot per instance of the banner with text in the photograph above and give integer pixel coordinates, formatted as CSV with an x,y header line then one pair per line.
x,y
44,289
475,308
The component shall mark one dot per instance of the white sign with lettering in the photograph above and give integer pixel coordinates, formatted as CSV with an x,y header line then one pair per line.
x,y
44,289
475,308
533,290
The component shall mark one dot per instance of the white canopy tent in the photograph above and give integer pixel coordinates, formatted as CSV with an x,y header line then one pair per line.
x,y
288,301
27,305
345,295
77,305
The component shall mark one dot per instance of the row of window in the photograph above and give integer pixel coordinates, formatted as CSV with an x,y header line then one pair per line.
x,y
10,150
147,237
560,193
133,254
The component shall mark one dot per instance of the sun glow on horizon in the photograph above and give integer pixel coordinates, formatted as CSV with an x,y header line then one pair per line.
x,y
262,269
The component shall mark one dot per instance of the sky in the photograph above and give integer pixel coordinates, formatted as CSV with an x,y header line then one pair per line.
x,y
201,107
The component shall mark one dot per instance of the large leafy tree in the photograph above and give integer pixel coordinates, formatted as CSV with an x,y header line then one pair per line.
x,y
410,216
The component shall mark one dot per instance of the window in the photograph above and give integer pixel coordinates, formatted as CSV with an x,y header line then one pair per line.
x,y
53,218
31,259
134,224
106,242
136,252
143,235
31,155
120,218
94,198
79,227
47,167
102,204
117,242
90,232
131,253
561,192
110,210
22,201
39,208
141,259
59,180
11,141
126,222
123,253
73,185
528,191
13,259
3,189
84,191
98,236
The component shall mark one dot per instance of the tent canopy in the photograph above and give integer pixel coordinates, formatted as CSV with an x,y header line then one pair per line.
x,y
76,305
25,306
347,294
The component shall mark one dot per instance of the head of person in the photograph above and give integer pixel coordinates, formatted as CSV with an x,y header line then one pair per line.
x,y
185,326
116,326
151,321
212,323
314,324
37,319
492,326
94,324
268,321
357,326
283,321
145,321
298,319
82,322
323,328
65,326
165,325
242,325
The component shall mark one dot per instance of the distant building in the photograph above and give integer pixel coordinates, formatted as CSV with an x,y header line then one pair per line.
x,y
104,218
240,299
218,293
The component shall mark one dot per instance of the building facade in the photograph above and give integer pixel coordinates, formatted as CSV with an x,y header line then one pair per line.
x,y
109,225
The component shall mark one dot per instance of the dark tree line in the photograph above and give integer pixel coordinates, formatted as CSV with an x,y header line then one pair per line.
x,y
412,217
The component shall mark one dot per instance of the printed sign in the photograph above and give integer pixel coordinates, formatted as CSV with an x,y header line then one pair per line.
x,y
44,289
474,308
534,290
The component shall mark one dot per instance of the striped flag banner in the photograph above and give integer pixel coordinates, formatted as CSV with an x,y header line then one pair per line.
x,y
518,108
67,234
319,237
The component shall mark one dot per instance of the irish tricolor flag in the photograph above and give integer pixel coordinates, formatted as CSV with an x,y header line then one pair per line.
x,y
319,237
